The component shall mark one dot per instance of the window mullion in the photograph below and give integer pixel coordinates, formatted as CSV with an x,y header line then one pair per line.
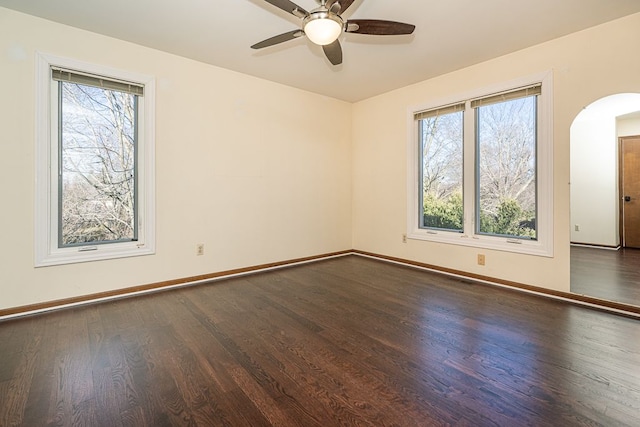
x,y
469,171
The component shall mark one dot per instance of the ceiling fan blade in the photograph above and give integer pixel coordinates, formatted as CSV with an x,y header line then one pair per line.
x,y
378,27
280,38
333,52
289,7
344,4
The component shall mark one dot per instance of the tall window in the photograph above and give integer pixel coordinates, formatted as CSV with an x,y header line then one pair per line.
x,y
441,144
97,153
484,171
97,145
506,143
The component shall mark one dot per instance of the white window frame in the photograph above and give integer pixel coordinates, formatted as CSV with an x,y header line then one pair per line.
x,y
47,252
543,245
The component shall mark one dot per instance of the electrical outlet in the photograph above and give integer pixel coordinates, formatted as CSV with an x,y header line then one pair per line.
x,y
481,259
404,238
200,249
577,227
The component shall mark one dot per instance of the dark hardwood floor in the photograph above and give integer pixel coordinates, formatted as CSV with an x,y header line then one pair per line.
x,y
607,274
347,341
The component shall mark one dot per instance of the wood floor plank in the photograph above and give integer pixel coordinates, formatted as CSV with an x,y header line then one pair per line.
x,y
293,361
231,379
345,341
261,370
16,389
46,331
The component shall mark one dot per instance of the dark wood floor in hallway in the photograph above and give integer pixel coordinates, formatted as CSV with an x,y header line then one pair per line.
x,y
346,341
612,275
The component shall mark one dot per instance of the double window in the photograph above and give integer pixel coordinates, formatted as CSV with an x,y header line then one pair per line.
x,y
95,163
481,170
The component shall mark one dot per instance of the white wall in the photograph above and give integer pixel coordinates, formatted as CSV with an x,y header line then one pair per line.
x,y
239,170
594,168
237,166
629,126
586,66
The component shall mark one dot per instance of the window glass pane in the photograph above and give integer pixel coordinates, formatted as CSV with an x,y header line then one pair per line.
x,y
441,139
506,169
97,165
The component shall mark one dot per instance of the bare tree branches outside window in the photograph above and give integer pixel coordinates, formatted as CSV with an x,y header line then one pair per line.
x,y
505,151
442,171
507,167
97,165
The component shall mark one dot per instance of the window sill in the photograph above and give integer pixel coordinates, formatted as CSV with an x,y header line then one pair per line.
x,y
526,247
92,253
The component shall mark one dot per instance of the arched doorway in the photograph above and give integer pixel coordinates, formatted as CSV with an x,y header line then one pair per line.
x,y
597,264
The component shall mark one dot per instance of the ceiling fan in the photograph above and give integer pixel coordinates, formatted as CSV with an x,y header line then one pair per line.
x,y
324,24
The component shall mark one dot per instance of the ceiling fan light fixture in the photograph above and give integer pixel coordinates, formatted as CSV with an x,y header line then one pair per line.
x,y
323,28
323,25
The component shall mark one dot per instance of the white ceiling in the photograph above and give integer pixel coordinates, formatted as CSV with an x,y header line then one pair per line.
x,y
450,34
